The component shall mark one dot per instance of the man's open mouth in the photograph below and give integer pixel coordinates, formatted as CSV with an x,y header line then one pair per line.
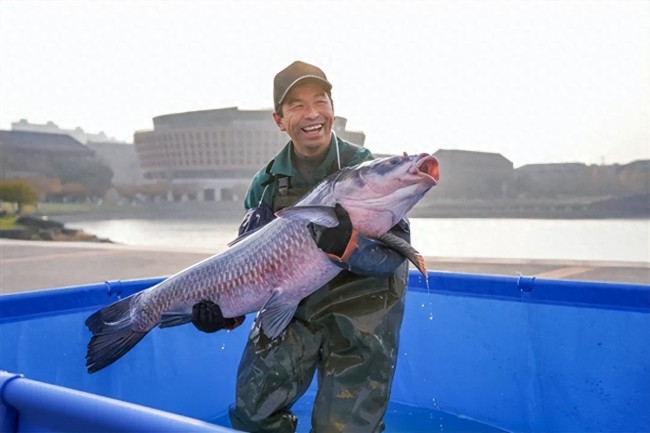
x,y
313,128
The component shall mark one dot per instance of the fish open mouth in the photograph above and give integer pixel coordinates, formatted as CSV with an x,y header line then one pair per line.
x,y
428,165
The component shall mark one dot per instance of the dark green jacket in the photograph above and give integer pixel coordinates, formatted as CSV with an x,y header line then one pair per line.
x,y
350,154
348,330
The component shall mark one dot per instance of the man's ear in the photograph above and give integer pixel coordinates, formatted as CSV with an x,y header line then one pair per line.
x,y
278,121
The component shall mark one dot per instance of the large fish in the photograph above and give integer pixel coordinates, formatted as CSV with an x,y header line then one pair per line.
x,y
272,269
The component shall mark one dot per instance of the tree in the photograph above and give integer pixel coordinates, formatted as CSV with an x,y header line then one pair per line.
x,y
92,174
635,180
153,190
127,191
75,191
21,192
46,186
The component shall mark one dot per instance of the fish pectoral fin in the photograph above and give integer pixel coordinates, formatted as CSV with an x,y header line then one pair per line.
x,y
177,315
276,314
174,318
321,215
243,236
403,247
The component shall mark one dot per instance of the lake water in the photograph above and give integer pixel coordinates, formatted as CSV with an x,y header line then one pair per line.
x,y
607,240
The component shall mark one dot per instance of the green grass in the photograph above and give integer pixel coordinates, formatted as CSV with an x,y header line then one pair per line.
x,y
65,208
8,222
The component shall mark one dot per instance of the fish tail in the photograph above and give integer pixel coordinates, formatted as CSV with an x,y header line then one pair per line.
x,y
113,335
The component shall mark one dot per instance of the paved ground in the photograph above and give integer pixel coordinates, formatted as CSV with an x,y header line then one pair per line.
x,y
34,265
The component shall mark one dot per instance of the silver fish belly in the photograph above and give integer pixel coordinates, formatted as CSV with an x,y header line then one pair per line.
x,y
242,279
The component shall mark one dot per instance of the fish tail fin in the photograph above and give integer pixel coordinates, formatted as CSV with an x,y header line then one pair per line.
x,y
113,335
407,251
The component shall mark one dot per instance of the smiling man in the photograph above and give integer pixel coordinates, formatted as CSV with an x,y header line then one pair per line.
x,y
304,109
348,330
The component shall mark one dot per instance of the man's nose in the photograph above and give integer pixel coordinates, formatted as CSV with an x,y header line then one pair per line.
x,y
311,111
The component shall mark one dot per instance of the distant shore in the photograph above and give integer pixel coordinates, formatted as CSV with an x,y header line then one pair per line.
x,y
632,207
37,228
229,211
625,207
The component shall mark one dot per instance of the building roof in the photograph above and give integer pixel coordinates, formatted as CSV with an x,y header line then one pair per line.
x,y
471,156
204,118
641,165
553,167
41,141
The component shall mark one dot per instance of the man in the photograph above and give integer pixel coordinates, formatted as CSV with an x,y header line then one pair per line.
x,y
348,330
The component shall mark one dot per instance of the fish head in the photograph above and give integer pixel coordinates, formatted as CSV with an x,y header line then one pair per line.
x,y
378,193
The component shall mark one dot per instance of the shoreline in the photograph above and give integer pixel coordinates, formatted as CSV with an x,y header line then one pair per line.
x,y
236,217
559,209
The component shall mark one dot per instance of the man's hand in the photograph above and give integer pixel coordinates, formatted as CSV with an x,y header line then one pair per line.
x,y
334,240
207,317
359,254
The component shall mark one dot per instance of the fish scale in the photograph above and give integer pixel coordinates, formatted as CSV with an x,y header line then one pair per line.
x,y
273,269
223,280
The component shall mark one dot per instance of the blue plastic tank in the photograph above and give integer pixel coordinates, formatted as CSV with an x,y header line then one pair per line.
x,y
478,353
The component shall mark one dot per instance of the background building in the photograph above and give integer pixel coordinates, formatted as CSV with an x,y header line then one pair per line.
x,y
118,155
28,154
50,127
122,159
467,175
212,155
554,180
57,165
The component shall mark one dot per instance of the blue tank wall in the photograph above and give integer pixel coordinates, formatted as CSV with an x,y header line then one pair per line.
x,y
516,353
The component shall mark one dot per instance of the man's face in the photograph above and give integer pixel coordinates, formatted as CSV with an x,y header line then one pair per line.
x,y
308,117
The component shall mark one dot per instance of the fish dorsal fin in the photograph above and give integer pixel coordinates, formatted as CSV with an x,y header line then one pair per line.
x,y
321,215
243,236
276,314
400,245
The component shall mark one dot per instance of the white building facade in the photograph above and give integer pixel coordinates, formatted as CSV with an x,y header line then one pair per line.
x,y
212,155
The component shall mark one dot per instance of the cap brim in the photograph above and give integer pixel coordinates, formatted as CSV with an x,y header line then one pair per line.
x,y
326,84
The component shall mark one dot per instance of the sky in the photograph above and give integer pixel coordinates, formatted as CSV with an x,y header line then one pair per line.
x,y
537,81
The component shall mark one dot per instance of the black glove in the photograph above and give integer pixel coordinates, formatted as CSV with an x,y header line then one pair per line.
x,y
356,253
333,240
207,317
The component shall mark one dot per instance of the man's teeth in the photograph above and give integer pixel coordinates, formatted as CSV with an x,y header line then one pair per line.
x,y
312,128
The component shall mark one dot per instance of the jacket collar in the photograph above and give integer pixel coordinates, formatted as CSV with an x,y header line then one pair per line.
x,y
283,166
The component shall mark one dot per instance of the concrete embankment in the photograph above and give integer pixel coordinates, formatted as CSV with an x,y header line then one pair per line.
x,y
36,265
